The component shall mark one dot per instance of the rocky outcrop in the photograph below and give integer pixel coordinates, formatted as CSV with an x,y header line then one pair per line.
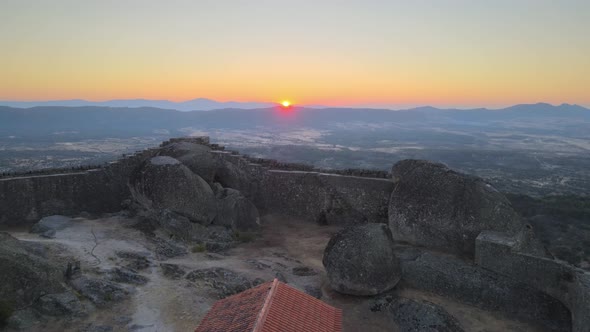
x,y
235,211
127,276
436,207
213,237
51,224
419,315
172,271
225,282
134,260
164,183
326,198
181,202
24,276
461,280
361,261
196,157
101,292
496,252
61,304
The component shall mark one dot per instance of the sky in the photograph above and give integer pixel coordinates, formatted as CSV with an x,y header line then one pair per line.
x,y
459,53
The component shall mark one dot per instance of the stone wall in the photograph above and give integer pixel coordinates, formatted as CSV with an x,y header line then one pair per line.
x,y
570,285
331,198
462,280
30,198
337,197
310,195
26,199
326,198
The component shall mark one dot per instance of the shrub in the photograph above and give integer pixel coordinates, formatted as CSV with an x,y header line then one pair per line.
x,y
244,237
6,311
198,248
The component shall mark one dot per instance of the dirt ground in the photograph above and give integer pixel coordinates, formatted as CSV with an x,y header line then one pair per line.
x,y
164,304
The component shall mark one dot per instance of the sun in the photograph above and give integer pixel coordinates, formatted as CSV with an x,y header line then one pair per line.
x,y
286,103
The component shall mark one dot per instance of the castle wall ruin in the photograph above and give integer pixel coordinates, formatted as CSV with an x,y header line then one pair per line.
x,y
338,197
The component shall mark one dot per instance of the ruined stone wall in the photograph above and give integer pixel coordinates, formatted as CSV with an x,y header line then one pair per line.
x,y
309,194
330,196
326,198
26,199
570,285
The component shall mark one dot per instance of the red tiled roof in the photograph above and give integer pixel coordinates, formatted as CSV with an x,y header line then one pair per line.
x,y
236,313
271,307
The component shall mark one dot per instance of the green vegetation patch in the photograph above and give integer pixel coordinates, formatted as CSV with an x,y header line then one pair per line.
x,y
244,237
6,311
199,248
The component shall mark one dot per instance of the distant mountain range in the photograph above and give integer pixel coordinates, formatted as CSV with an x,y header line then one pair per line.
x,y
126,121
199,104
205,104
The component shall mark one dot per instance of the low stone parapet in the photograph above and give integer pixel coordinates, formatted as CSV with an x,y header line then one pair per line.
x,y
498,253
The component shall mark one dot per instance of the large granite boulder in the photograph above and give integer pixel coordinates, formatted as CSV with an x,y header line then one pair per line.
x,y
24,276
231,175
214,237
360,260
196,157
165,183
235,211
436,207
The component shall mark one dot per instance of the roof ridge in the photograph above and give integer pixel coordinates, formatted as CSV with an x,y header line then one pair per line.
x,y
265,307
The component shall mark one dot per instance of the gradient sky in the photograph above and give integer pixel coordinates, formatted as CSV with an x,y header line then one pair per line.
x,y
442,53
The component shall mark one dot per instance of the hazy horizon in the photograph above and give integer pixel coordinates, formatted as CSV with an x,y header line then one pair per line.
x,y
12,103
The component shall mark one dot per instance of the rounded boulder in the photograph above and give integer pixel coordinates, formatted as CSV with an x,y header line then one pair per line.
x,y
361,260
164,183
196,157
236,211
436,207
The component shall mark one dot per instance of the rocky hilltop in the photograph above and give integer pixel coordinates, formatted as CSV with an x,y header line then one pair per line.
x,y
149,242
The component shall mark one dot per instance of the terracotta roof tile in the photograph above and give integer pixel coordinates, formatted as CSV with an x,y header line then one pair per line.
x,y
291,310
272,307
236,313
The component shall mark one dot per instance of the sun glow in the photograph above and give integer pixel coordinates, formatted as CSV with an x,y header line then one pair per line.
x,y
286,103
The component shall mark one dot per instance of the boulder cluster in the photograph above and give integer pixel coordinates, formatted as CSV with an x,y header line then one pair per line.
x,y
432,207
436,207
192,196
185,183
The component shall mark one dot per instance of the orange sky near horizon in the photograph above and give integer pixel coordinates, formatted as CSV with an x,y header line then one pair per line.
x,y
451,53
